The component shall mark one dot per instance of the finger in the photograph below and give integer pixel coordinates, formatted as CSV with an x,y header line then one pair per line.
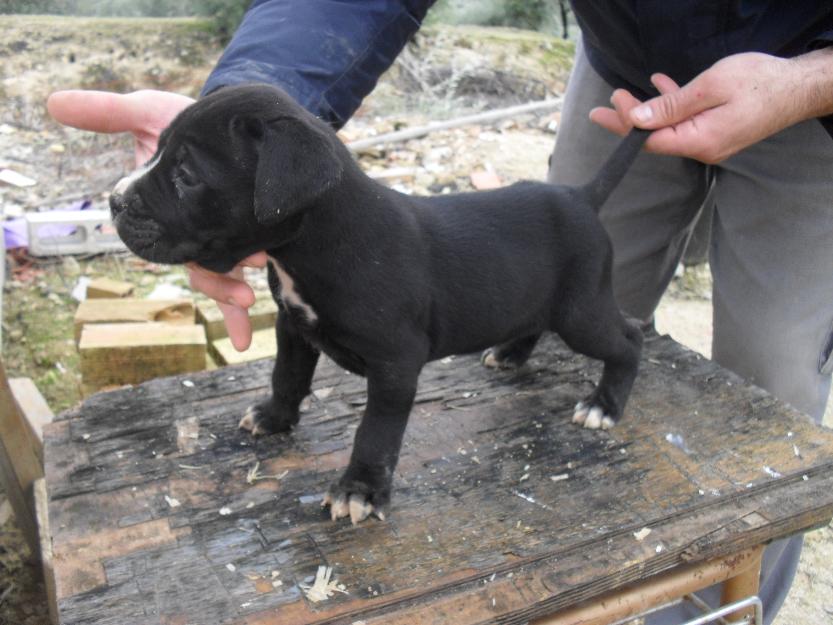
x,y
674,107
99,111
623,101
689,139
616,119
664,84
609,119
238,324
226,288
257,260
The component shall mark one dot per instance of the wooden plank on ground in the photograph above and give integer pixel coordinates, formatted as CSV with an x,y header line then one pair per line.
x,y
264,345
129,310
20,464
106,288
503,511
113,354
41,499
262,315
33,408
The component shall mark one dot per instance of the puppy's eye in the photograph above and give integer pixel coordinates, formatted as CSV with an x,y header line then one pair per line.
x,y
186,176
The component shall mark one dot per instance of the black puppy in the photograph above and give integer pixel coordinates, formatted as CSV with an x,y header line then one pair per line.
x,y
379,281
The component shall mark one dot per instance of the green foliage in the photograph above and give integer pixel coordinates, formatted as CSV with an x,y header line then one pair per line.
x,y
225,14
548,16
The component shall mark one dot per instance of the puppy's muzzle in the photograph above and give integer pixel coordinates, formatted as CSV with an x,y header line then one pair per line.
x,y
117,205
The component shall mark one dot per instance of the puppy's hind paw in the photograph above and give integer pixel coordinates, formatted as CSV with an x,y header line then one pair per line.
x,y
488,359
592,417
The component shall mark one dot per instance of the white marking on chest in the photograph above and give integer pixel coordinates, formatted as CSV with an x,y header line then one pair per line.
x,y
289,295
124,184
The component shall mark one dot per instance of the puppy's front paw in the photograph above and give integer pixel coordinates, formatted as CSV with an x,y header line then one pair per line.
x,y
266,418
359,497
592,416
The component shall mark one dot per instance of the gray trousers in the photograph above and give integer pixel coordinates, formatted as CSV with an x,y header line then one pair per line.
x,y
771,259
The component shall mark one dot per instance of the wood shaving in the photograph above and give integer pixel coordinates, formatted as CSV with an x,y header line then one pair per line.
x,y
322,588
560,477
771,472
642,534
173,502
254,475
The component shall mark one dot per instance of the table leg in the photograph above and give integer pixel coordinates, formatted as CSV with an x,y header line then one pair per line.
x,y
745,584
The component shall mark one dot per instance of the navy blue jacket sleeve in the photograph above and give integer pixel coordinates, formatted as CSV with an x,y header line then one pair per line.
x,y
327,54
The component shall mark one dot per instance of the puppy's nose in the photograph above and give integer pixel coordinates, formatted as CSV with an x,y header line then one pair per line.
x,y
117,204
121,185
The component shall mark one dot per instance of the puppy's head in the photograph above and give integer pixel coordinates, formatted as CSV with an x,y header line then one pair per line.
x,y
231,172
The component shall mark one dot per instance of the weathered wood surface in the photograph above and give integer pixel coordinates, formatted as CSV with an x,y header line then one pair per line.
x,y
20,460
154,521
33,409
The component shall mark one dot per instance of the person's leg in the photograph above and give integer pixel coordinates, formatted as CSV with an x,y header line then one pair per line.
x,y
649,235
772,262
650,213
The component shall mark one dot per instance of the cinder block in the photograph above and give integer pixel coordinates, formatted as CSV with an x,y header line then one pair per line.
x,y
113,354
72,232
127,310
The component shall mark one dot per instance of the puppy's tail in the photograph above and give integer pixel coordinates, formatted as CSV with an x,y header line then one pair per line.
x,y
599,189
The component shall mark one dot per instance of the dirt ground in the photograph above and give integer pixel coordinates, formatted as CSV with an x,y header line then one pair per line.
x,y
446,72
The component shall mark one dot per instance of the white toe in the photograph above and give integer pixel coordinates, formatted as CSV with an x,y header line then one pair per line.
x,y
248,420
580,413
339,508
359,509
490,361
594,418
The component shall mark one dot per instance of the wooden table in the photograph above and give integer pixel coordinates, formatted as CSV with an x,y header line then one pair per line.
x,y
504,511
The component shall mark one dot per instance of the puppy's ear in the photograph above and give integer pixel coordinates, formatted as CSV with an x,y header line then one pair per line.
x,y
296,163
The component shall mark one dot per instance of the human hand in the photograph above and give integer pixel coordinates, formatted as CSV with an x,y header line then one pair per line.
x,y
737,102
146,114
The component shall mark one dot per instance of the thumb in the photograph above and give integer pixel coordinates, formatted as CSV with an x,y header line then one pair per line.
x,y
674,105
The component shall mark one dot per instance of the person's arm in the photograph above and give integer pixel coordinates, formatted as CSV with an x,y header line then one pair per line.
x,y
739,101
326,54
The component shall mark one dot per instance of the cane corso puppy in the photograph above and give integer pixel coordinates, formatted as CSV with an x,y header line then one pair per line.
x,y
379,281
